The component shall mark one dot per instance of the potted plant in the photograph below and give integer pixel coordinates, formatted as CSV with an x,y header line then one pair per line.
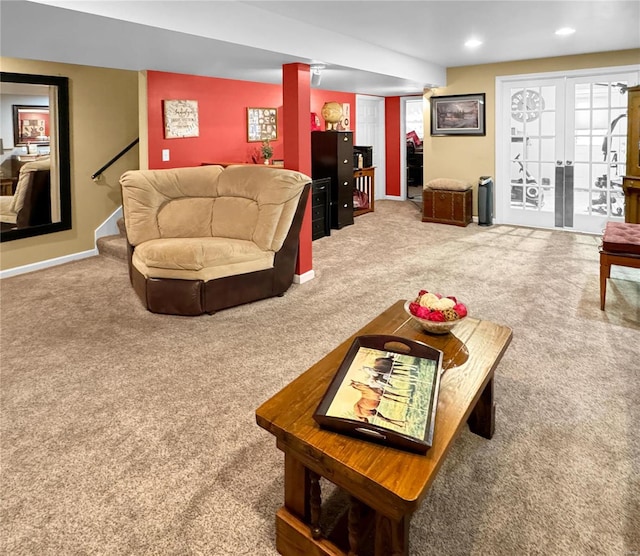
x,y
267,151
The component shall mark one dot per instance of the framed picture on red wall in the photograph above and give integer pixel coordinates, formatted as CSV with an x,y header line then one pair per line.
x,y
30,125
262,124
181,119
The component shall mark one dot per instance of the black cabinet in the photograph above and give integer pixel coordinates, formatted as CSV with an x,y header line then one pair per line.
x,y
320,204
332,157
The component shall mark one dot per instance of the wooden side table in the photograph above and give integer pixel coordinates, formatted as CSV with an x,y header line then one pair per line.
x,y
364,183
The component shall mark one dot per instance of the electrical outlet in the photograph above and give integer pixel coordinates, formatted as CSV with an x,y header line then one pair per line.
x,y
165,155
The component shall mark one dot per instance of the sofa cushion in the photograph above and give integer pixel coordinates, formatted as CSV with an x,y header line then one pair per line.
x,y
186,217
234,217
199,258
6,214
276,192
24,177
447,184
145,192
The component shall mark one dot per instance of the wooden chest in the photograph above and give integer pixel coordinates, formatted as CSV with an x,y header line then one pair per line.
x,y
447,207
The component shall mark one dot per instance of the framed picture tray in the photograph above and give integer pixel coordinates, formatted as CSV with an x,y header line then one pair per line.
x,y
385,390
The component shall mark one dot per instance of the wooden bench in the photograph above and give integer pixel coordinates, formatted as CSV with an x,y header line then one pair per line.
x,y
620,246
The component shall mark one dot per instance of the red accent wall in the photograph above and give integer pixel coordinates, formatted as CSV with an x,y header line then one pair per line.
x,y
222,116
392,147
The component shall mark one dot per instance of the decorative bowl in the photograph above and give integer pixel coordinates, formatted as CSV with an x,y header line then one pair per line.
x,y
433,327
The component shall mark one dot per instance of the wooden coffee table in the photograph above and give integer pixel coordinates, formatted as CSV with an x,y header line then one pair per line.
x,y
386,485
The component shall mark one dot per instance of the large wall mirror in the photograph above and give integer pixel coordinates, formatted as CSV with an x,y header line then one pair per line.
x,y
35,175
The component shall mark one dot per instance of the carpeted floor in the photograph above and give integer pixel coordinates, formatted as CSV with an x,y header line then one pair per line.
x,y
129,433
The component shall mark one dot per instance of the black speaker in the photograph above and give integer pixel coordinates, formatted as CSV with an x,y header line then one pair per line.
x,y
485,201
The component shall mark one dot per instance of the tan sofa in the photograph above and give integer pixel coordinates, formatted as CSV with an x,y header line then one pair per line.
x,y
30,205
207,238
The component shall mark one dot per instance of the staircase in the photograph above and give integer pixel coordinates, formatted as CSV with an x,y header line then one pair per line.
x,y
114,246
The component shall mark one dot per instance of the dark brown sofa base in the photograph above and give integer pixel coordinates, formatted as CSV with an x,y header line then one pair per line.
x,y
196,297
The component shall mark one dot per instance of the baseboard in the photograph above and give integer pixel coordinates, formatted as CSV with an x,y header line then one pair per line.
x,y
302,278
48,263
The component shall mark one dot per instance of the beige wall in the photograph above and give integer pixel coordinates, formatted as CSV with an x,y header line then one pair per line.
x,y
103,120
468,158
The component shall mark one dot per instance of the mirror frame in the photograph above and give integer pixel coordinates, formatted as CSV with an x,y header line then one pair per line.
x,y
64,153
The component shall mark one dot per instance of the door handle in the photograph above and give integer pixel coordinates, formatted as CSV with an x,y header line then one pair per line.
x,y
569,162
558,162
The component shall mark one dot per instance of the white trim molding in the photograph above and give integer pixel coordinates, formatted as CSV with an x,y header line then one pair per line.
x,y
48,263
302,278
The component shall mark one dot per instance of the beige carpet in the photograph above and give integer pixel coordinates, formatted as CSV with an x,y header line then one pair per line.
x,y
125,432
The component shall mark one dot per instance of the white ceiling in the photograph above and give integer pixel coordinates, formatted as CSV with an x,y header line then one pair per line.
x,y
375,47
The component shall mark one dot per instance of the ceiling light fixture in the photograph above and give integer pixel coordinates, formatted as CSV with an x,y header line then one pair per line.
x,y
473,43
316,74
565,31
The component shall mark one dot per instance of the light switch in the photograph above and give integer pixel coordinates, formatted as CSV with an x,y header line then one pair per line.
x,y
165,155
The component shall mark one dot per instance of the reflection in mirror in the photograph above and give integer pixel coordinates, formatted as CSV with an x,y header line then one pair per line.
x,y
34,155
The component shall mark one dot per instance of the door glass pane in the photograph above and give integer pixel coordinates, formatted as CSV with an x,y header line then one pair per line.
x,y
582,148
547,149
619,94
532,149
600,95
547,181
517,150
548,123
582,95
582,122
548,98
600,120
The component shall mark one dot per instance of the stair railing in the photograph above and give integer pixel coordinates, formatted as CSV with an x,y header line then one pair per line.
x,y
121,153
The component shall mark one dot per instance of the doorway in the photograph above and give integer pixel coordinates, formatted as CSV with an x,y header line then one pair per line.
x,y
370,131
563,149
413,133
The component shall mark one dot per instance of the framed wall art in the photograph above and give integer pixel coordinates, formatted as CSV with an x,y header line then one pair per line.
x,y
30,125
262,124
386,391
458,115
181,119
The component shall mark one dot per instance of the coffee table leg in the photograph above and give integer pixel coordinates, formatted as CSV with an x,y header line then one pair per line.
x,y
296,487
483,416
354,525
392,537
315,503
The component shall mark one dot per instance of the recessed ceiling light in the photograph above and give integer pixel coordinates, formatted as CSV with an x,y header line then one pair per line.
x,y
565,31
473,43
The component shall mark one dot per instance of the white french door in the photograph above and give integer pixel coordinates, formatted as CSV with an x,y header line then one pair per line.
x,y
565,151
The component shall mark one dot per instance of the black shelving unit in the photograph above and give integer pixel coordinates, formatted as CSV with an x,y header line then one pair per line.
x,y
320,205
332,157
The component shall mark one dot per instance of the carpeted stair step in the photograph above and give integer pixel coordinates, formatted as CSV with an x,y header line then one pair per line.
x,y
113,246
